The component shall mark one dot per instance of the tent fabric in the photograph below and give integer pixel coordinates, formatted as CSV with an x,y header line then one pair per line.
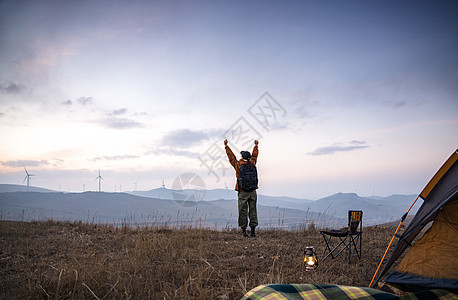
x,y
442,188
435,254
400,278
322,292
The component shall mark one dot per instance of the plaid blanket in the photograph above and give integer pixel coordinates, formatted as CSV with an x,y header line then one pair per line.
x,y
337,292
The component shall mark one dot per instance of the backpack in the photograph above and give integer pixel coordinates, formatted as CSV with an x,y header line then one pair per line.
x,y
248,180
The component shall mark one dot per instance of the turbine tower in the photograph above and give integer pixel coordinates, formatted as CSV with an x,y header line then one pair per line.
x,y
27,176
100,181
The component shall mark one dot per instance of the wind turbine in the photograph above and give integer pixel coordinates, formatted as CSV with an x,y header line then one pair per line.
x,y
27,176
100,180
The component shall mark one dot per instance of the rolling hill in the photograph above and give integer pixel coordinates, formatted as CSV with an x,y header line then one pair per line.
x,y
122,208
5,188
210,208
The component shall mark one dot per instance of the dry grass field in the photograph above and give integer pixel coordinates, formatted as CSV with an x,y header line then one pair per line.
x,y
62,260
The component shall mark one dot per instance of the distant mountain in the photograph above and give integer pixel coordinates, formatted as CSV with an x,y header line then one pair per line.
x,y
222,194
217,207
375,211
339,204
22,188
123,208
282,201
395,223
201,195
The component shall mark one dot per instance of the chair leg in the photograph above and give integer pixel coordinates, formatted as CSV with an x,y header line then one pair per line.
x,y
324,251
353,243
360,244
328,246
334,252
342,242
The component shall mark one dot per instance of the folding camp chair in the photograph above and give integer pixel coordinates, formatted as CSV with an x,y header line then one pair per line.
x,y
339,240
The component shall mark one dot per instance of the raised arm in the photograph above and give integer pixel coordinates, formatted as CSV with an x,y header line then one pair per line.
x,y
230,155
255,152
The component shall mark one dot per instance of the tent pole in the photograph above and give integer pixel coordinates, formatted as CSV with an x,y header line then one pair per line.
x,y
394,235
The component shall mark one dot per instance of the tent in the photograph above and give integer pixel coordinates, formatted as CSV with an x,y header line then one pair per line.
x,y
431,262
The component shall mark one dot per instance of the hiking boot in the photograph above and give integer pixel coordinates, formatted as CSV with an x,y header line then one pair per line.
x,y
253,232
244,232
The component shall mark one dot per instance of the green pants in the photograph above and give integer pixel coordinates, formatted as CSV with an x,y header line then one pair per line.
x,y
247,207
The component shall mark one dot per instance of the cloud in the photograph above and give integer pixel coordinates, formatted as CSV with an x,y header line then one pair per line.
x,y
11,88
184,138
112,122
68,102
24,163
399,104
1,114
121,123
354,145
56,161
114,157
84,100
304,103
172,152
81,100
118,112
280,126
395,104
178,142
355,142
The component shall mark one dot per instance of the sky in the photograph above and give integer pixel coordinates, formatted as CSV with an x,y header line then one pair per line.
x,y
343,96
